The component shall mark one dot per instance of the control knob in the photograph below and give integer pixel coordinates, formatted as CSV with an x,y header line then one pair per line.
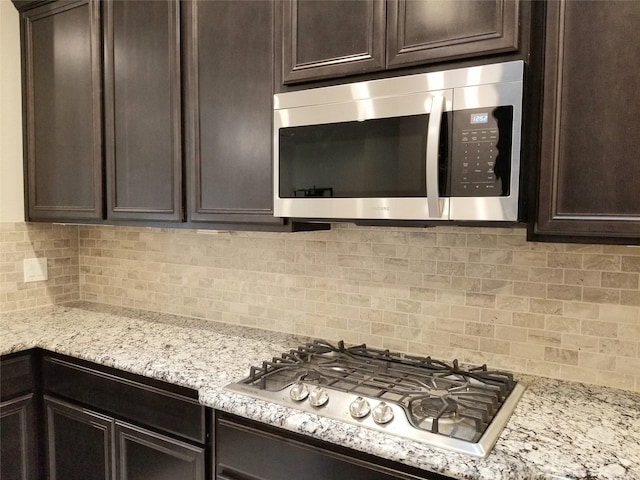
x,y
359,408
382,413
299,392
318,397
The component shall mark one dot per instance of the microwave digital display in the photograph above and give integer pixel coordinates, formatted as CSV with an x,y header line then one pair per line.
x,y
479,118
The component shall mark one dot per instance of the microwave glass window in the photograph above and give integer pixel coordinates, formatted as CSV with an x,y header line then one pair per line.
x,y
481,152
369,159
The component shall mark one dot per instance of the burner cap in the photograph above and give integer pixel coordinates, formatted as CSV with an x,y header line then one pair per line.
x,y
313,377
436,407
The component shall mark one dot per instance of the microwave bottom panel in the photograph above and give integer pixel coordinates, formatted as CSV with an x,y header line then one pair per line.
x,y
482,209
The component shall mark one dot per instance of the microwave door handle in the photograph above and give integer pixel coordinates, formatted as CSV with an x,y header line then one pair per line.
x,y
433,140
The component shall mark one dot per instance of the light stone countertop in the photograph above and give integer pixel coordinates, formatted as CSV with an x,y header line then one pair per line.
x,y
558,430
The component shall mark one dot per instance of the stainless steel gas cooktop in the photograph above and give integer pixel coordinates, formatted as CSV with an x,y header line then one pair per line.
x,y
418,398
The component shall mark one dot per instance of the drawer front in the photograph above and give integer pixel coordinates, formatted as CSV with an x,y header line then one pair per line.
x,y
125,398
16,376
244,452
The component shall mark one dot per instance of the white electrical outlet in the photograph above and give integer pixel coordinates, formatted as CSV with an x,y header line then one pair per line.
x,y
35,269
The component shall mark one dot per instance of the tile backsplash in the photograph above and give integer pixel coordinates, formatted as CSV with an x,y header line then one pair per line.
x,y
58,243
478,294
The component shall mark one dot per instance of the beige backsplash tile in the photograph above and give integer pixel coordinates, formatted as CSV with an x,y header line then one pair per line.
x,y
482,295
478,294
59,244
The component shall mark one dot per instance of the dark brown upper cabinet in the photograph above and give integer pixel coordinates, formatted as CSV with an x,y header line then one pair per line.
x,y
589,175
143,142
326,38
180,93
435,30
329,39
62,79
228,91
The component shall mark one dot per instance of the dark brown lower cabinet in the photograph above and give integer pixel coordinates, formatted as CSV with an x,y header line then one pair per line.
x,y
145,455
246,450
17,437
79,442
18,450
86,445
106,424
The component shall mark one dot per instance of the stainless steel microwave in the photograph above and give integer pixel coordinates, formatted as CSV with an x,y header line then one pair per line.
x,y
432,146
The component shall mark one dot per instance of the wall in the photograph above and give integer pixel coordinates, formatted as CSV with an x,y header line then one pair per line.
x,y
480,295
11,196
19,240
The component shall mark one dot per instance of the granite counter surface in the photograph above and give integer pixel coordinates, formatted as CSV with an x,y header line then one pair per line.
x,y
558,430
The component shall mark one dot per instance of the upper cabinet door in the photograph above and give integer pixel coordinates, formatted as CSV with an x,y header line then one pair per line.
x,y
331,38
62,77
228,111
142,110
436,30
589,173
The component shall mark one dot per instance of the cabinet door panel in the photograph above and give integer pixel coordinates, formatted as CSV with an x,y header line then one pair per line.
x,y
229,115
17,440
325,38
142,107
589,172
143,455
436,30
78,442
16,376
63,126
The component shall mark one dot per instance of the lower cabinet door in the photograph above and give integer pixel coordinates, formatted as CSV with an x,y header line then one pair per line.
x,y
17,451
79,442
144,455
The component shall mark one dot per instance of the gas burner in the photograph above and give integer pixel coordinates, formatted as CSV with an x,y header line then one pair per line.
x,y
313,376
436,405
419,398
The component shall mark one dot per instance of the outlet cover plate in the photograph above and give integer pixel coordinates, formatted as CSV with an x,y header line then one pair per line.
x,y
35,269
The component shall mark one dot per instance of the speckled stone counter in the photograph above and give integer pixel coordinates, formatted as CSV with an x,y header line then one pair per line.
x,y
559,429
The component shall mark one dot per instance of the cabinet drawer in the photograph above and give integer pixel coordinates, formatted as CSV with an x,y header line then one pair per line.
x,y
130,397
247,450
15,376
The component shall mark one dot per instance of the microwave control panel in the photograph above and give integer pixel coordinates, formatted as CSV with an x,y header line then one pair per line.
x,y
481,152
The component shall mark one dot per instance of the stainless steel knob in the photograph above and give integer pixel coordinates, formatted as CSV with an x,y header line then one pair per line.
x,y
299,392
382,413
318,397
359,408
